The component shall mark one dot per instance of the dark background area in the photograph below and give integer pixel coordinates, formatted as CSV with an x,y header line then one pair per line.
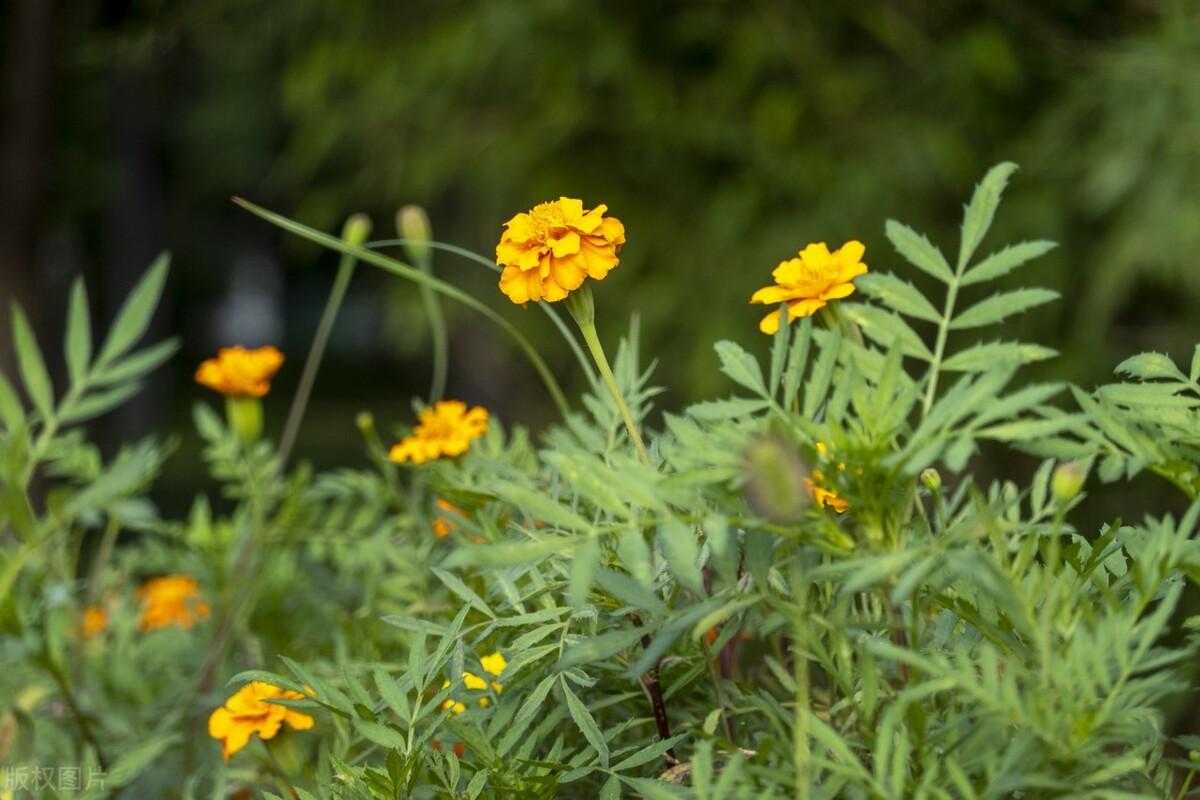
x,y
725,135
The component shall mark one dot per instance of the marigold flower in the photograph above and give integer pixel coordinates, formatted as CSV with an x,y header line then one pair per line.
x,y
238,372
95,620
246,713
811,280
445,524
445,429
823,496
549,251
171,600
493,665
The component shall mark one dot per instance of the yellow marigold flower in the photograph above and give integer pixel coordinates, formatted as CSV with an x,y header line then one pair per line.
x,y
494,664
549,251
239,372
246,713
822,496
444,524
811,280
95,620
445,429
171,600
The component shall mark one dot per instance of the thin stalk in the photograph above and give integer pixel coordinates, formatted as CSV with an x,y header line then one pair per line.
x,y
415,275
312,363
802,748
103,556
588,329
939,348
548,308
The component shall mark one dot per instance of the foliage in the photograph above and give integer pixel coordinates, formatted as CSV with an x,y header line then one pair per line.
x,y
694,626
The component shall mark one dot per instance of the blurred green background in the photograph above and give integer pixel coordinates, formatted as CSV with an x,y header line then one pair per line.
x,y
724,134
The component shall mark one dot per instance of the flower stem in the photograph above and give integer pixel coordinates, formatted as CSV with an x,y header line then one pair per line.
x,y
581,306
801,747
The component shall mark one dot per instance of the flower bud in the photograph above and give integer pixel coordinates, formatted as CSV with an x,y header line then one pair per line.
x,y
412,223
775,480
1066,482
582,306
356,230
931,478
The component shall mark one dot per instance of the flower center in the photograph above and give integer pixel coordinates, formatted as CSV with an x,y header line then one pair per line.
x,y
546,218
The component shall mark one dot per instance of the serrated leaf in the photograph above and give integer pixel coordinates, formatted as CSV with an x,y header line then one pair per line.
x,y
99,403
134,317
898,295
740,366
977,217
77,344
1150,366
918,251
533,703
797,359
1004,261
886,328
712,410
539,506
389,689
679,547
31,365
583,569
651,752
586,723
1002,305
779,350
600,647
136,364
466,593
984,356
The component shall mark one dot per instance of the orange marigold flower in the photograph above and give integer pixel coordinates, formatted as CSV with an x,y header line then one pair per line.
x,y
246,713
822,496
95,620
811,280
239,372
171,600
445,429
549,251
445,523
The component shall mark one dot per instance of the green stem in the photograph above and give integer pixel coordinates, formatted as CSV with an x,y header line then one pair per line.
x,y
437,325
103,556
554,316
939,348
588,329
312,363
415,275
802,748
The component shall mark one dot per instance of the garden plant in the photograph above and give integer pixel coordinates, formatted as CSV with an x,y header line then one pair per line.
x,y
813,586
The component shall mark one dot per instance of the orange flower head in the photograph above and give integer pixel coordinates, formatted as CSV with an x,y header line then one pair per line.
x,y
446,523
238,372
246,713
446,428
170,600
549,251
95,620
808,282
823,496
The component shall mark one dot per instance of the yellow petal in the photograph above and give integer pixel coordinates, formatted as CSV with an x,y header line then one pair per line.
x,y
771,294
851,252
770,323
494,664
838,291
804,308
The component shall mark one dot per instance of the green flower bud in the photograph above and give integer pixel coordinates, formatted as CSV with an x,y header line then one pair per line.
x,y
931,478
1066,482
245,417
412,223
356,230
775,473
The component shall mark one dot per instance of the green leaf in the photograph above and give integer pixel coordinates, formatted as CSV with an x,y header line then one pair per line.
x,y
539,506
454,584
533,703
886,327
779,350
712,410
137,364
740,366
134,762
1194,373
12,413
32,366
1004,261
982,357
649,753
918,251
822,373
509,553
600,647
723,544
629,591
1001,305
587,725
1150,366
635,556
797,360
979,212
135,315
383,735
583,569
99,403
389,689
898,295
77,344
678,543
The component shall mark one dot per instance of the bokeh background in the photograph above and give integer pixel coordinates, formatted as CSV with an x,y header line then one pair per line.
x,y
725,134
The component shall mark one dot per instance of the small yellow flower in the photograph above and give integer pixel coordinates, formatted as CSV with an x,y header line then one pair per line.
x,y
445,429
549,251
494,664
246,713
811,280
822,496
445,523
95,620
238,372
170,600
